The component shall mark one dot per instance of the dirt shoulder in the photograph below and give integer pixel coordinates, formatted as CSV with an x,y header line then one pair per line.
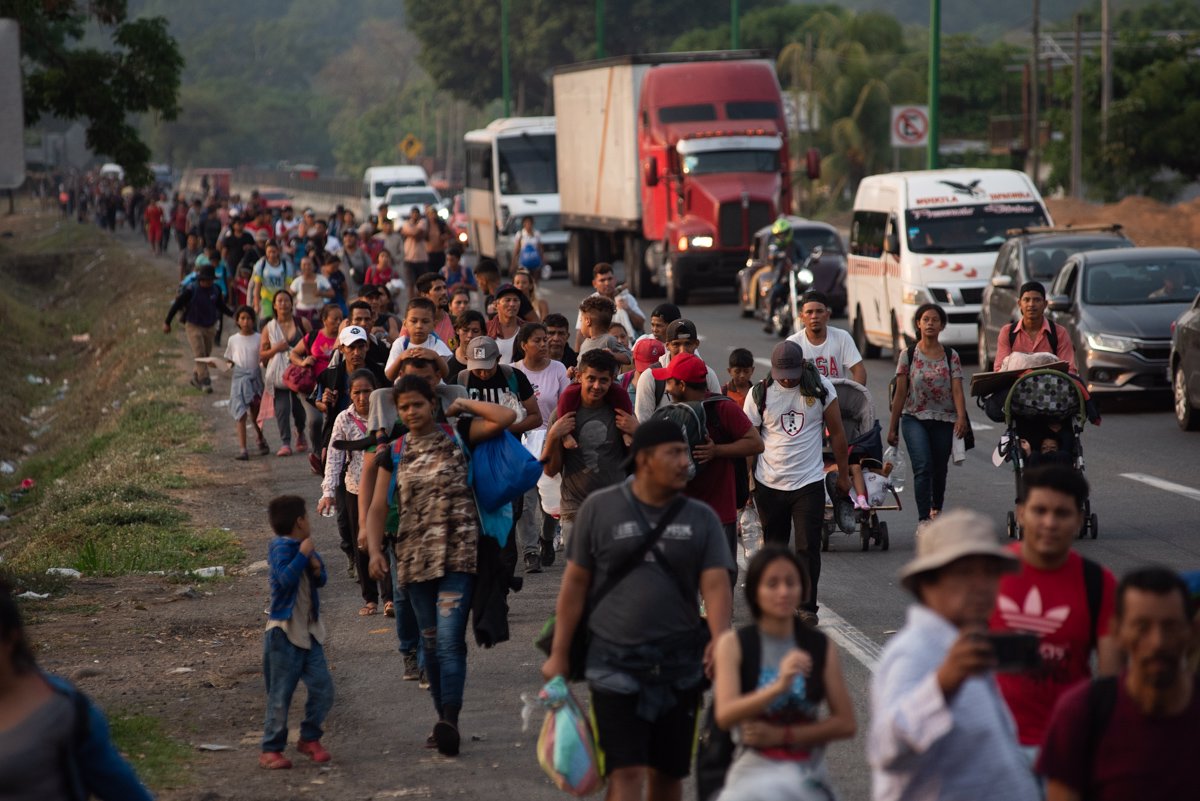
x,y
1147,222
183,655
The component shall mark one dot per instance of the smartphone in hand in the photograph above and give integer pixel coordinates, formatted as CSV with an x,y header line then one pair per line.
x,y
1016,652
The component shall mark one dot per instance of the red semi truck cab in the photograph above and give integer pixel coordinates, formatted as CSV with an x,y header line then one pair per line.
x,y
713,149
670,163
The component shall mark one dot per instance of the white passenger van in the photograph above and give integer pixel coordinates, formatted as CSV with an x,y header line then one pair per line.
x,y
378,180
930,236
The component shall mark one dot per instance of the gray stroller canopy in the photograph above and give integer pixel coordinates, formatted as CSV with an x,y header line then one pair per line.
x,y
858,411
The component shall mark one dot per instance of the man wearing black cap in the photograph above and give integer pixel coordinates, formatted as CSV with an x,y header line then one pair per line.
x,y
202,304
642,545
651,392
792,410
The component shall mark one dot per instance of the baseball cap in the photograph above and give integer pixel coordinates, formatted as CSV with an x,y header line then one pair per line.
x,y
646,353
787,361
682,329
955,535
482,353
352,334
507,289
685,367
653,432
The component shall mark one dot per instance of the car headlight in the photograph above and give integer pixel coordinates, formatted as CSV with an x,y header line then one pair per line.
x,y
806,276
1112,344
915,296
462,237
702,241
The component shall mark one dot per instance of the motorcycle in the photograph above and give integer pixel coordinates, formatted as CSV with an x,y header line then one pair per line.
x,y
784,312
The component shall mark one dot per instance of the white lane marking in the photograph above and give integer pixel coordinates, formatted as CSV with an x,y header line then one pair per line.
x,y
1169,486
763,360
853,641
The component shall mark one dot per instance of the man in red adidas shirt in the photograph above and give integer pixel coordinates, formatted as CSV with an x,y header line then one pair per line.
x,y
1066,600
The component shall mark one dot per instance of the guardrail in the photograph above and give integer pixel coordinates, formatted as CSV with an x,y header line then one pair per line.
x,y
282,179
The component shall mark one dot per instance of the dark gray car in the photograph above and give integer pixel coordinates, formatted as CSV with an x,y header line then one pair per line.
x,y
1034,256
1118,306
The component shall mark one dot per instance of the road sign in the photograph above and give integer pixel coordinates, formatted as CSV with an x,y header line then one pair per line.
x,y
910,126
411,146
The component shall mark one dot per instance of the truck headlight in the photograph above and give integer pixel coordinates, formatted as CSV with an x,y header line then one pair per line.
x,y
702,241
1109,343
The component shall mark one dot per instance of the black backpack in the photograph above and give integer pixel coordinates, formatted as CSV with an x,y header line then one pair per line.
x,y
715,748
1051,335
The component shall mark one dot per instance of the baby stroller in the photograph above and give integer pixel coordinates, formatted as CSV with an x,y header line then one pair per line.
x,y
865,439
1045,406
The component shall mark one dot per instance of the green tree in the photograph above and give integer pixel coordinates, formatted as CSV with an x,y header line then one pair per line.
x,y
137,72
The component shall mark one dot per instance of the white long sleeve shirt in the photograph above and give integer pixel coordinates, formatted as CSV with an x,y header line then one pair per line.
x,y
922,748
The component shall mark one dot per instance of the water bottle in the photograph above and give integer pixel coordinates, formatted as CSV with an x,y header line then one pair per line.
x,y
894,467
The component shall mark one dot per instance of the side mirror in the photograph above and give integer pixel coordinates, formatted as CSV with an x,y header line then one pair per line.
x,y
1060,303
1002,281
650,171
891,243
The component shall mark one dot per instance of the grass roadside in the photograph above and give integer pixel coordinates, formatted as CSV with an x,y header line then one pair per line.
x,y
97,424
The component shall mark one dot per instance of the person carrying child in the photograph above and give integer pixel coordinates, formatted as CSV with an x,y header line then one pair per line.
x,y
293,643
246,386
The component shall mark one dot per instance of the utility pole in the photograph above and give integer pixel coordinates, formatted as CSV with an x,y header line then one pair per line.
x,y
1077,114
1034,79
505,79
935,81
735,25
1106,68
600,29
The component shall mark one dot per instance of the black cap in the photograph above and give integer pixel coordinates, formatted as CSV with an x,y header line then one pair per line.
x,y
653,432
507,289
682,329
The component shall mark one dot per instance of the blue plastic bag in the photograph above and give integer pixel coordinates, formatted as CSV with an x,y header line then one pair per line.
x,y
566,747
503,470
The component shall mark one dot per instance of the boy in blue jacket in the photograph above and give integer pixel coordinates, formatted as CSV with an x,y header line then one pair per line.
x,y
292,645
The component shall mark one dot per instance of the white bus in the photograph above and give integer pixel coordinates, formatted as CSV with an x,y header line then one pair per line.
x,y
511,172
930,237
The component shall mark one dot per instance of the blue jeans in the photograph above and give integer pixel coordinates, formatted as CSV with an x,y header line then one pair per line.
x,y
929,443
406,619
284,666
442,606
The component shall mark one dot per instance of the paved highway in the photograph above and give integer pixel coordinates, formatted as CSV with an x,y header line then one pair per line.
x,y
1145,489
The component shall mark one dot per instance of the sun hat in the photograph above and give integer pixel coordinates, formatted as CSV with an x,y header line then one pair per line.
x,y
952,536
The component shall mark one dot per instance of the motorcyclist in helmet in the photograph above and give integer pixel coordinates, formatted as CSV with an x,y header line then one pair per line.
x,y
784,247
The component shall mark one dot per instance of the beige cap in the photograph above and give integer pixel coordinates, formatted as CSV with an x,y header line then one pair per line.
x,y
952,536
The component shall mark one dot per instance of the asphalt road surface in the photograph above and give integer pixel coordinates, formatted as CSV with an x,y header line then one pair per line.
x,y
1145,491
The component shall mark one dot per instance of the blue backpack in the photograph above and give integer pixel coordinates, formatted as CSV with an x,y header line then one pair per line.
x,y
529,257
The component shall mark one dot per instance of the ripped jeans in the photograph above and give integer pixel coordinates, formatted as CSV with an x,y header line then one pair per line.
x,y
441,606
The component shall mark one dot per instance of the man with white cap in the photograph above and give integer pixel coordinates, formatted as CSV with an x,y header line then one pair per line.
x,y
939,726
333,384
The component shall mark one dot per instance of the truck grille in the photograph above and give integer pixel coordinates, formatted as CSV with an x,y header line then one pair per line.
x,y
972,296
730,228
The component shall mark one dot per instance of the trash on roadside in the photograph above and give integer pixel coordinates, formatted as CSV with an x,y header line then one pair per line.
x,y
4,518
180,670
254,568
81,338
65,572
30,595
221,404
27,484
214,747
7,468
36,379
184,592
209,572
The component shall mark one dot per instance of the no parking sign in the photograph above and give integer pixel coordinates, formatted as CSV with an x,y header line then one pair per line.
x,y
910,126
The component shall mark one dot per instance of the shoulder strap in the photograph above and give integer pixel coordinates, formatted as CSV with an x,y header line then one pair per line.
x,y
660,389
1093,587
638,556
1052,335
511,376
751,645
759,393
1012,334
1101,701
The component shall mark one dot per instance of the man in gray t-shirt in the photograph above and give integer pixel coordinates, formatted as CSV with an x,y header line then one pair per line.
x,y
647,654
597,460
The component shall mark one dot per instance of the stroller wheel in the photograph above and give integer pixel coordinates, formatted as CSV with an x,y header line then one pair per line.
x,y
883,536
1013,531
1094,526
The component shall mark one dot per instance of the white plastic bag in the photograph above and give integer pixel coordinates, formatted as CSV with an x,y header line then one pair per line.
x,y
550,488
750,532
958,451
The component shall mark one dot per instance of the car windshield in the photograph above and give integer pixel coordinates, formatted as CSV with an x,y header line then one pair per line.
x,y
1141,281
527,165
827,241
715,161
406,200
1045,259
381,187
968,229
541,223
